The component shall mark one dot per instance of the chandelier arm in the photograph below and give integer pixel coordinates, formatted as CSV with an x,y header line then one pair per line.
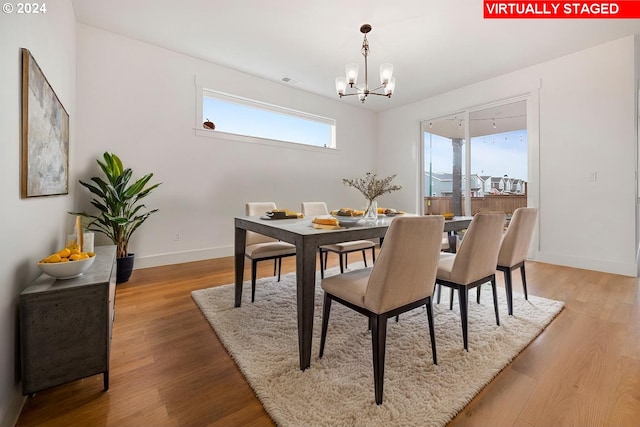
x,y
378,88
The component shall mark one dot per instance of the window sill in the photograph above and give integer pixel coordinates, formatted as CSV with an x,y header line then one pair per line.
x,y
204,133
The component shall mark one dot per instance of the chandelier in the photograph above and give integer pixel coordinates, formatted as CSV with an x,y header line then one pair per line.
x,y
387,81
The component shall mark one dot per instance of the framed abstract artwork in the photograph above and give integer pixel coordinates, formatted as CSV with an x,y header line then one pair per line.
x,y
45,134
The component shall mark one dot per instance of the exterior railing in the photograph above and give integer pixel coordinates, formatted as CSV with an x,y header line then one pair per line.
x,y
502,203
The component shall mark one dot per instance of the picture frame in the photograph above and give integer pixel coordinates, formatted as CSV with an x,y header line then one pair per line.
x,y
45,134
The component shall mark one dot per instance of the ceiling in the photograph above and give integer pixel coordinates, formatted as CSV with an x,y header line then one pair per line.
x,y
494,120
435,46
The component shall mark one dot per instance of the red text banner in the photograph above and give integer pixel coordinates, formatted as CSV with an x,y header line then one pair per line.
x,y
629,9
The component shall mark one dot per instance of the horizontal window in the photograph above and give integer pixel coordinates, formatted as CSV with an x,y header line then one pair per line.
x,y
240,116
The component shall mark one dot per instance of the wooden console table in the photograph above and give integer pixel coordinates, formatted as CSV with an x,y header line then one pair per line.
x,y
65,325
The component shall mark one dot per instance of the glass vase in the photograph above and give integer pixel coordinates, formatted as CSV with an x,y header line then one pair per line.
x,y
371,212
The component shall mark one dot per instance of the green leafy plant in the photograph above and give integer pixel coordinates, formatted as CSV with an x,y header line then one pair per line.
x,y
120,212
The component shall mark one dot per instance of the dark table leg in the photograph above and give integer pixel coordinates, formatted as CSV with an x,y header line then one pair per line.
x,y
453,242
240,240
306,283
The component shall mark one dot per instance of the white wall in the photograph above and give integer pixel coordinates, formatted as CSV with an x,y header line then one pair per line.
x,y
34,227
587,122
139,101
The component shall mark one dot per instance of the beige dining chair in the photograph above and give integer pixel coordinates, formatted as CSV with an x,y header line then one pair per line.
x,y
474,263
402,279
514,249
261,248
341,249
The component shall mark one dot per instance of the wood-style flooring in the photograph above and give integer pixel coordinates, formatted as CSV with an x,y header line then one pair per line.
x,y
168,368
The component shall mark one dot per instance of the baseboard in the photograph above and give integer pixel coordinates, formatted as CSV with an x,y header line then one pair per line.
x,y
182,257
624,269
14,409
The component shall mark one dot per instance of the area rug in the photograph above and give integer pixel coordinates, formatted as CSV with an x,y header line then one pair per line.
x,y
337,390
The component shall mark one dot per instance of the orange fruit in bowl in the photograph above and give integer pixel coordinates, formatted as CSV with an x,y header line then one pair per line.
x,y
53,258
64,253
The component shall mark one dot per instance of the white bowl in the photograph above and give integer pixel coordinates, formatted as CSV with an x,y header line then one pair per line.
x,y
66,270
346,221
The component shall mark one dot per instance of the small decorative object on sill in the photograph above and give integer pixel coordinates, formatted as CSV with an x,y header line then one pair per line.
x,y
209,125
372,188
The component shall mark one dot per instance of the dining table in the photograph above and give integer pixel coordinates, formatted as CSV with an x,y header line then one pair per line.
x,y
301,233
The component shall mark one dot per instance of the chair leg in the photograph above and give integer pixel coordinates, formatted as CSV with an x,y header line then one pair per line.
x,y
254,268
342,261
451,300
364,257
438,292
478,294
279,267
508,286
431,331
373,254
524,282
495,298
325,321
379,340
462,298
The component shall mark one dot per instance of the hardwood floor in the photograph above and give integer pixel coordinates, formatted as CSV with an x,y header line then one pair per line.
x,y
169,369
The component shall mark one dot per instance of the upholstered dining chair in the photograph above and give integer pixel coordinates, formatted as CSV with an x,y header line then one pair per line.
x,y
514,249
402,279
474,263
341,249
261,248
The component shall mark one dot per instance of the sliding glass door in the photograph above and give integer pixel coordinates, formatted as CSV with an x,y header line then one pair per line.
x,y
489,172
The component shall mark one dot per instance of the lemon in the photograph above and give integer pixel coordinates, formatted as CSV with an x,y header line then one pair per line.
x,y
83,255
64,260
74,257
74,251
65,253
53,258
91,254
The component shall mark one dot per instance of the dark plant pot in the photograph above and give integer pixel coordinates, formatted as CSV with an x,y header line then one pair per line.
x,y
125,267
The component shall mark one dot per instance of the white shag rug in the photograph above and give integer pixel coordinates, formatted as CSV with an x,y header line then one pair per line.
x,y
337,390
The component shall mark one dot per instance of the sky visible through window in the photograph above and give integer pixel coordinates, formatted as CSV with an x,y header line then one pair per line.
x,y
242,119
495,155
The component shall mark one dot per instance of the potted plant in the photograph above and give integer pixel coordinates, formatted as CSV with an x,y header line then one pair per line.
x,y
120,212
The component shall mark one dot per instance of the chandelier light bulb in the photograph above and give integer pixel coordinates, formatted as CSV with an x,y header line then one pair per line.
x,y
352,74
386,72
341,85
390,86
361,91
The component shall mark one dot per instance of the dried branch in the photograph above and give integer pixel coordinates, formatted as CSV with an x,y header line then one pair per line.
x,y
371,187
